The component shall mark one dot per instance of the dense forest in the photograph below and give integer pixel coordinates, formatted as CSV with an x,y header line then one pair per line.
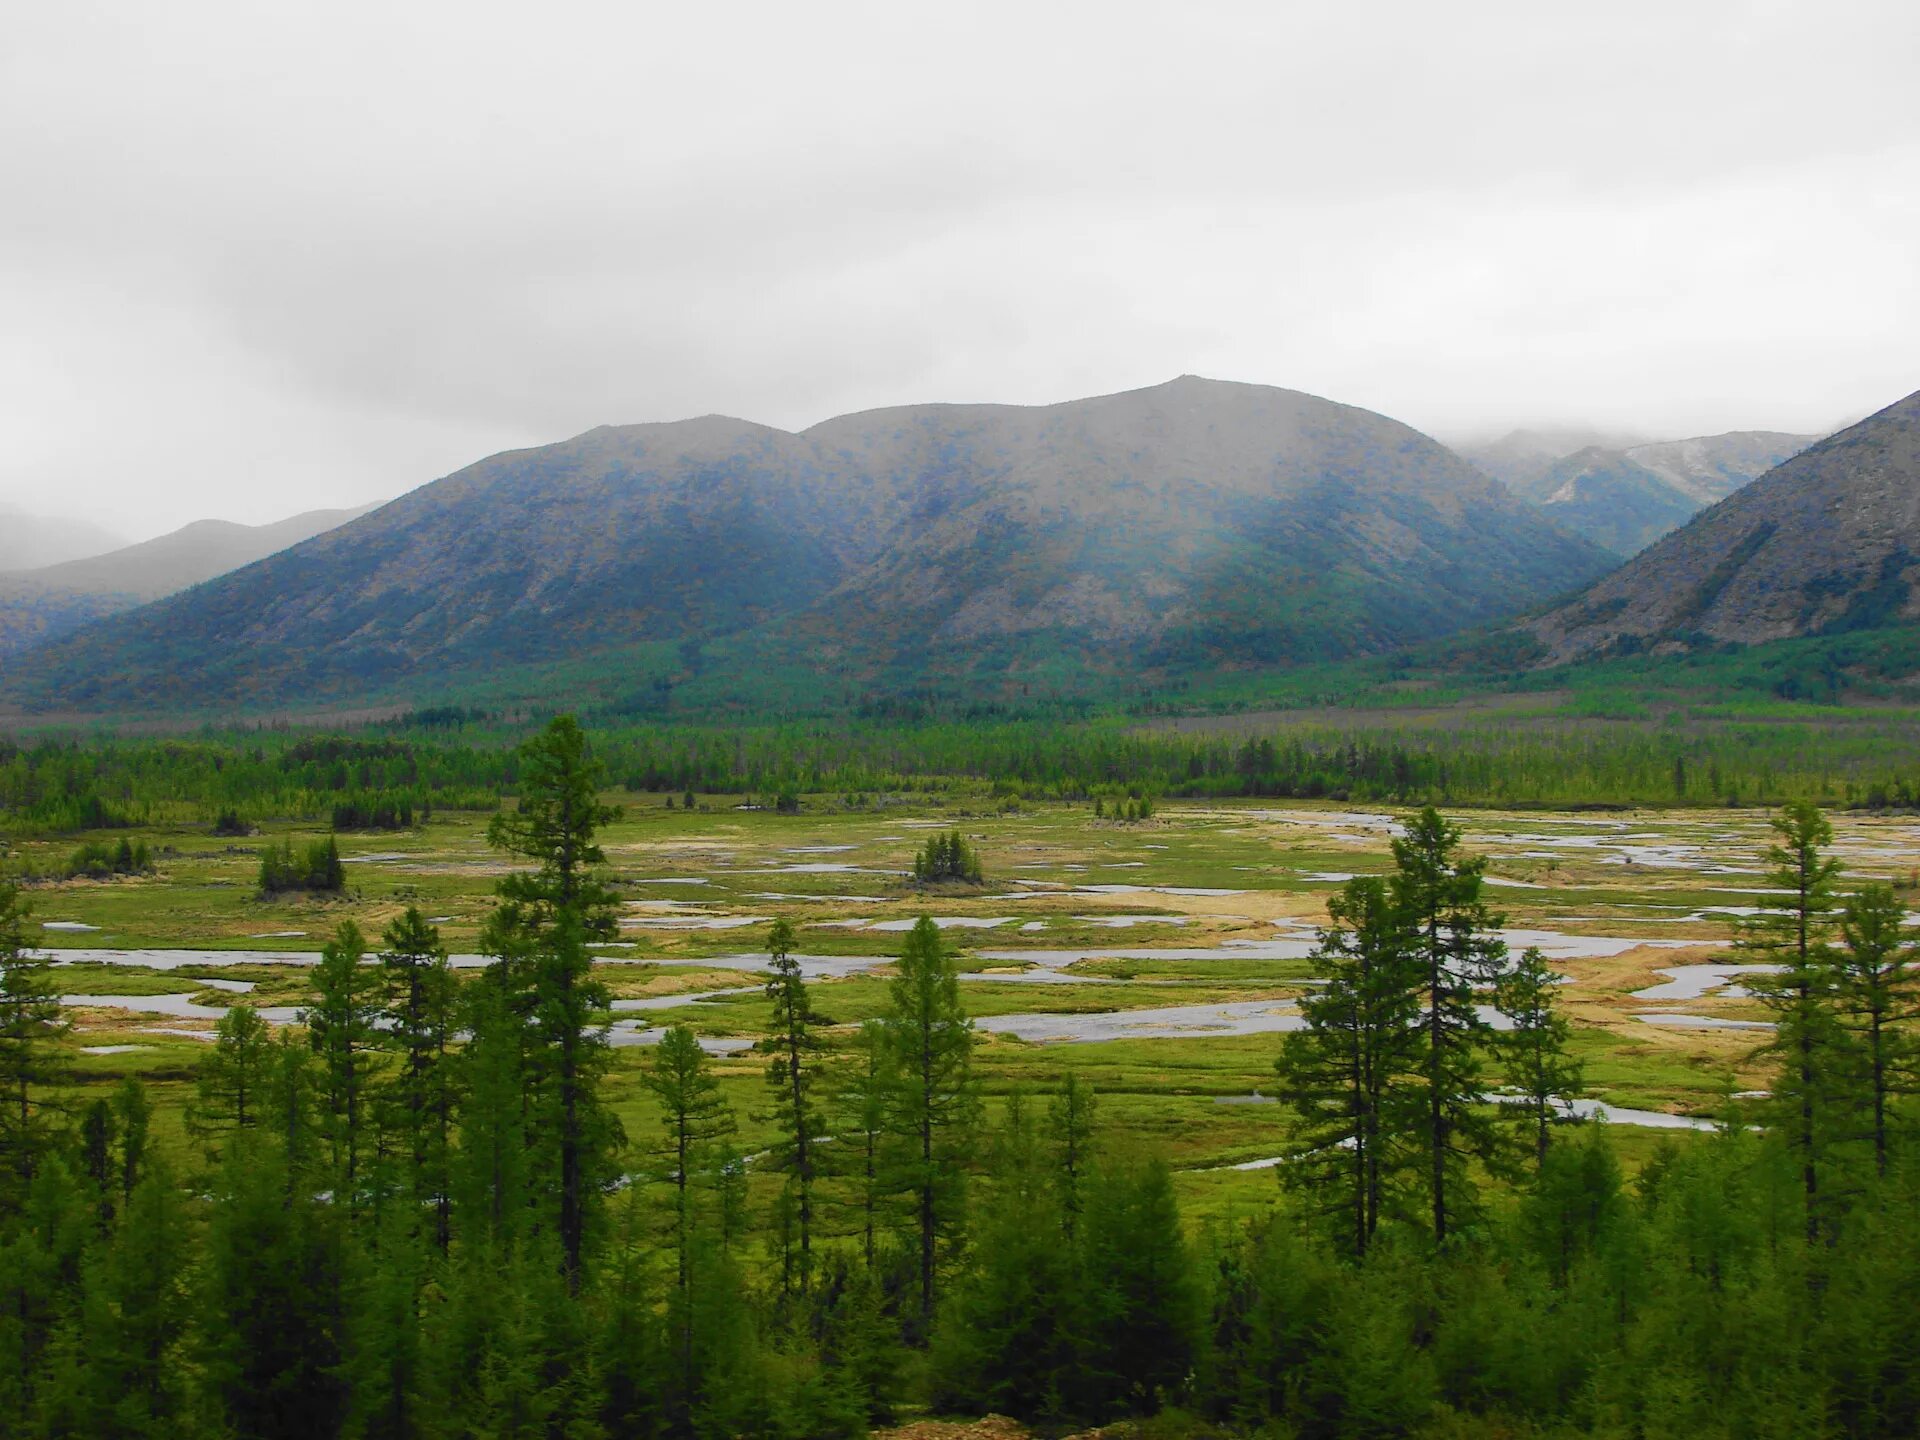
x,y
396,775
414,1215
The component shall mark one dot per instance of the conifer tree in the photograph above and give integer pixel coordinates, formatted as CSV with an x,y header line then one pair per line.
x,y
272,1312
931,1104
540,934
31,1025
1070,1125
1009,1337
1145,1304
790,1076
489,1164
418,1004
1457,948
1535,1047
231,1088
696,1117
1349,1073
1794,931
135,1301
133,1114
1879,993
294,1094
340,1030
860,1129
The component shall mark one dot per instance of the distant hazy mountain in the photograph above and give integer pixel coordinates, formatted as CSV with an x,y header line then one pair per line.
x,y
28,541
1521,459
46,603
1624,494
1829,540
1193,524
1616,503
1712,467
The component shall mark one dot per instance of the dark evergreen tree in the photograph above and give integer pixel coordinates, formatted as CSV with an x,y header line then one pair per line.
x,y
418,1008
860,1130
696,1118
135,1303
133,1115
272,1303
231,1088
1357,1057
1534,1048
31,1025
489,1165
930,1103
790,1076
340,1030
540,934
1070,1126
1794,931
1143,1303
1009,1336
1457,948
1878,984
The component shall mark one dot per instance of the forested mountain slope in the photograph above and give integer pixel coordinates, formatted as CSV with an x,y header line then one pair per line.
x,y
1192,523
1825,542
44,604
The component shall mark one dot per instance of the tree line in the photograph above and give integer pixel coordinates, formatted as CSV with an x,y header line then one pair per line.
x,y
384,781
417,1214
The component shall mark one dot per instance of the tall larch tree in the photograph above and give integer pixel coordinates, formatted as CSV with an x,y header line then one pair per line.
x,y
539,934
931,1102
1535,1048
1879,995
340,1028
1357,1053
31,1025
1794,930
417,1005
1458,950
790,1077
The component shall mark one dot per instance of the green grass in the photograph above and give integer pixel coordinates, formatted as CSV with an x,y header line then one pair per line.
x,y
1160,1094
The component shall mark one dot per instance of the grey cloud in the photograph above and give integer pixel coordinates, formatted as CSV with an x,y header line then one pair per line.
x,y
273,257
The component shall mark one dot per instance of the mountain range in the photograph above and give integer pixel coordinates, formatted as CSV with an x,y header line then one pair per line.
x,y
1828,541
27,540
1625,495
1190,526
43,604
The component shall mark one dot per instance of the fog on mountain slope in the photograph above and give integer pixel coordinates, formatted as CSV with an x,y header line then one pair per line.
x,y
28,541
1827,541
1192,524
45,603
1520,459
1626,494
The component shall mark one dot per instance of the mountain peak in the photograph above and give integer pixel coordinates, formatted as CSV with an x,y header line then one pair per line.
x,y
1194,523
1827,540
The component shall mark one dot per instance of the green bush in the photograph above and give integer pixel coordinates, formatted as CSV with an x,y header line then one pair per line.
x,y
945,858
98,860
317,868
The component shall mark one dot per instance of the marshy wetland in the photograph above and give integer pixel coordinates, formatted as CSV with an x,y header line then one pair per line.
x,y
1159,960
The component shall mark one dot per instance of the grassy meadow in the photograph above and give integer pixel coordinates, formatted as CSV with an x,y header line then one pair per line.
x,y
1202,904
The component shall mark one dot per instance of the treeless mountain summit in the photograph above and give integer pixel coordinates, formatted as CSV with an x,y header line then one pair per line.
x,y
1826,541
1195,523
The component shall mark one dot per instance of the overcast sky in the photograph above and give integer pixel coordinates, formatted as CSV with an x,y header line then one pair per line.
x,y
258,258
